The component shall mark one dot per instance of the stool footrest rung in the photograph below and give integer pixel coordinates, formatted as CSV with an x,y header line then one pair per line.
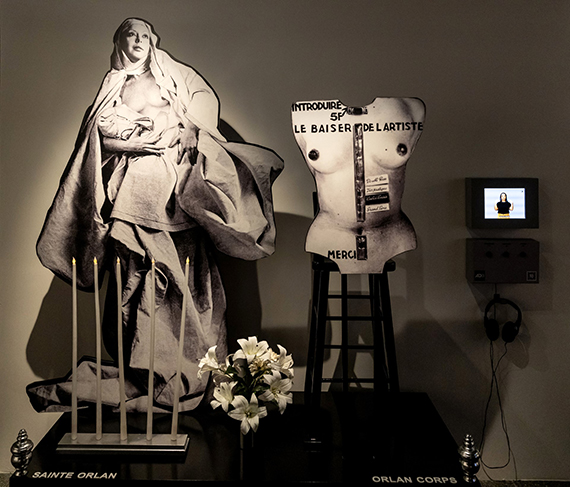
x,y
351,380
349,347
350,296
349,318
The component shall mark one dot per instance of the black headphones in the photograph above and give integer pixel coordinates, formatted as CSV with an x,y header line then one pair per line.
x,y
510,329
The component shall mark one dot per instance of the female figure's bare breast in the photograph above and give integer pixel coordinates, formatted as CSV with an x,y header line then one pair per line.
x,y
142,94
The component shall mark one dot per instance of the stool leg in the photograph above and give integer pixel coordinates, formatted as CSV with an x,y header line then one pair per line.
x,y
321,311
380,372
310,371
389,338
344,316
315,357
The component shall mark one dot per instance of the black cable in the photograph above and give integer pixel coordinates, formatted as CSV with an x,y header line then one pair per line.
x,y
504,421
495,384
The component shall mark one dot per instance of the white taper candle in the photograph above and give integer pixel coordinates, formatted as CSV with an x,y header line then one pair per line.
x,y
74,351
174,429
151,353
99,408
122,399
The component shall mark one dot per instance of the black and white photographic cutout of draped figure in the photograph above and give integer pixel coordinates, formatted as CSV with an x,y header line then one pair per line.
x,y
358,157
152,177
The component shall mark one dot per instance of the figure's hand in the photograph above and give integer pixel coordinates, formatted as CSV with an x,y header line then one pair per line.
x,y
188,141
136,144
145,145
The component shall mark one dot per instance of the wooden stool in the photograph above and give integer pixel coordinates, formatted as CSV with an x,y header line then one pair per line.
x,y
384,349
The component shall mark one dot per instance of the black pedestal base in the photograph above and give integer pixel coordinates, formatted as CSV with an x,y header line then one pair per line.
x,y
361,439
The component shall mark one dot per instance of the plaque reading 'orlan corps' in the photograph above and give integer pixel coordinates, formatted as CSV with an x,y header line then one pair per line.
x,y
358,157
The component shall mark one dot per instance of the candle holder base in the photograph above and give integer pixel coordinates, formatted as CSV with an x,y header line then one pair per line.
x,y
111,443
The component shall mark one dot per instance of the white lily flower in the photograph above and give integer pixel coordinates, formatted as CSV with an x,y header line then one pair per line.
x,y
278,391
209,363
241,367
282,362
221,375
223,396
250,349
229,360
258,364
248,413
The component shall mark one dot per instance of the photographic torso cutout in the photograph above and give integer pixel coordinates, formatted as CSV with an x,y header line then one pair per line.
x,y
358,157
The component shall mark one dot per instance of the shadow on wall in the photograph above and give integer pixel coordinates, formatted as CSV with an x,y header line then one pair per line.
x,y
270,298
431,361
286,276
243,312
49,347
428,359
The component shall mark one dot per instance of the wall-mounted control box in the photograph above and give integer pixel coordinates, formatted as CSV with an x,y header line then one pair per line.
x,y
502,260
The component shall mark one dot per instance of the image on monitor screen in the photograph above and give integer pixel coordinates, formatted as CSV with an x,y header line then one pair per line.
x,y
504,203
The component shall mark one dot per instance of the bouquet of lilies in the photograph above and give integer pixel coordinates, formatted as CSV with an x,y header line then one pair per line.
x,y
252,374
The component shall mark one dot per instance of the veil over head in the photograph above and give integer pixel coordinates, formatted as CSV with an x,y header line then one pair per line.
x,y
119,60
188,93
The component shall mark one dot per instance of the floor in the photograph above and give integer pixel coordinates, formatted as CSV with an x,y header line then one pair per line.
x,y
343,450
333,406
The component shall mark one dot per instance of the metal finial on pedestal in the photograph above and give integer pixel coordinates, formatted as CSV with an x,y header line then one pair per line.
x,y
469,459
21,453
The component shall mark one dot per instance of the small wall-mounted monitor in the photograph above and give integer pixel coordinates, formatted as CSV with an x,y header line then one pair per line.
x,y
501,202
